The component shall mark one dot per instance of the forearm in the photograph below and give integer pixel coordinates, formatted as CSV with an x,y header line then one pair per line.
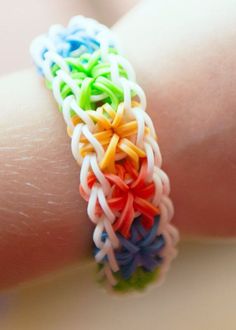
x,y
189,84
42,218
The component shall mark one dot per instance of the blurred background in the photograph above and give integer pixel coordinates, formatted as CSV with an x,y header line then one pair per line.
x,y
21,21
200,293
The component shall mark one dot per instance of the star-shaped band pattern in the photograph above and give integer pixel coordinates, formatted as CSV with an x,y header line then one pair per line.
x,y
131,194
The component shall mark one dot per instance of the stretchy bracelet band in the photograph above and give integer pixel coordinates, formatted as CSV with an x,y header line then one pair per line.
x,y
114,141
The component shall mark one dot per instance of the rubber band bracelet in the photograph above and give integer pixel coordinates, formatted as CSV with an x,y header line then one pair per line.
x,y
114,141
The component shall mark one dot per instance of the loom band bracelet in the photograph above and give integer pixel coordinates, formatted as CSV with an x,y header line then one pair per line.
x,y
126,100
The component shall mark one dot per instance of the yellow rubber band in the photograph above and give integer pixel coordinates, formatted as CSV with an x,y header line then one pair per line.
x,y
119,115
136,149
109,157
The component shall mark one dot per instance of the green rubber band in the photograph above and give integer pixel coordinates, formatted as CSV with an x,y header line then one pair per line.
x,y
93,77
113,97
85,93
139,280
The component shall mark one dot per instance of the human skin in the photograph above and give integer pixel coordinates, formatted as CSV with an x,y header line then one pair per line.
x,y
188,72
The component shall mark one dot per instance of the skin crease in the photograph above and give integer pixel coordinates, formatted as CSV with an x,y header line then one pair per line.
x,y
187,70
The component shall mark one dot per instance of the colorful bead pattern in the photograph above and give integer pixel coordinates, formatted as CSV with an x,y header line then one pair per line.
x,y
114,141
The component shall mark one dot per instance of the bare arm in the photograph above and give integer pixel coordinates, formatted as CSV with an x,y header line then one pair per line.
x,y
188,72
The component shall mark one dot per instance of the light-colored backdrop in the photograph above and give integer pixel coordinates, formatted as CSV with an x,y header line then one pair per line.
x,y
200,294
